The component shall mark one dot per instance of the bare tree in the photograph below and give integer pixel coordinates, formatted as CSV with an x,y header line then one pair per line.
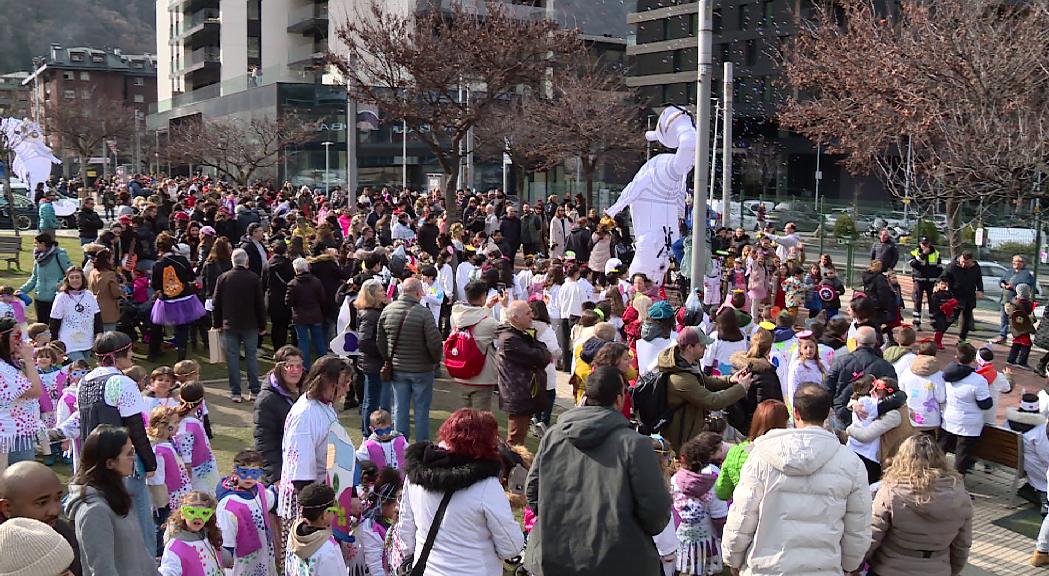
x,y
965,82
441,72
590,115
237,147
760,163
82,126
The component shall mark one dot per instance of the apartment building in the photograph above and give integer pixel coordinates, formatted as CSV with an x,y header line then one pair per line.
x,y
14,97
749,34
221,58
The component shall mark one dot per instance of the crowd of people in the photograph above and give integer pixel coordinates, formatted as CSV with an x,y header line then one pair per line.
x,y
781,431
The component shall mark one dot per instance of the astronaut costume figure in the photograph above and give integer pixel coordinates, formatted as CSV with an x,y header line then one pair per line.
x,y
656,195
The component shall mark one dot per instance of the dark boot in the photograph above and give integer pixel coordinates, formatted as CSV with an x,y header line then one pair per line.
x,y
1014,352
1025,352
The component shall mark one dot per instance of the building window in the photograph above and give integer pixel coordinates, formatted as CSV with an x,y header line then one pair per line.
x,y
139,98
97,58
85,94
76,56
650,31
744,17
768,16
766,89
68,75
85,76
69,94
717,21
726,52
139,81
137,64
751,55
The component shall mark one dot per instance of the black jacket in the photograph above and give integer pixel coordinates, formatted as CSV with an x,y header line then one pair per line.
x,y
579,241
239,303
427,238
88,223
183,270
305,298
511,229
845,368
964,282
276,275
255,259
331,275
876,286
271,410
764,386
367,325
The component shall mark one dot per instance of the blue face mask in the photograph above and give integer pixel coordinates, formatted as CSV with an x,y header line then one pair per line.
x,y
248,473
382,431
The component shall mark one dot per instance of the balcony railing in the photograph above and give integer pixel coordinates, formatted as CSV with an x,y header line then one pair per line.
x,y
199,18
308,17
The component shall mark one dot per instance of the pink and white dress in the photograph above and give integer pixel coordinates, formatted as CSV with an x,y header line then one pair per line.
x,y
19,417
243,517
193,445
171,472
54,382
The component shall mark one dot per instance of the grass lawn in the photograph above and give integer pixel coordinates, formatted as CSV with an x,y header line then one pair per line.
x,y
232,423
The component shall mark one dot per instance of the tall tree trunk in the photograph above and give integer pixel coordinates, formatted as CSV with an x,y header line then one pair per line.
x,y
954,236
451,202
588,173
83,169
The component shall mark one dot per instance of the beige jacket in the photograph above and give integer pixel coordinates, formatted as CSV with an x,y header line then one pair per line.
x,y
904,530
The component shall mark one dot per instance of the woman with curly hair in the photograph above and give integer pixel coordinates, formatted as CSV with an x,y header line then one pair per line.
x,y
922,519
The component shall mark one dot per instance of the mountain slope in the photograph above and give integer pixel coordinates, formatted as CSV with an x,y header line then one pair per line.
x,y
28,27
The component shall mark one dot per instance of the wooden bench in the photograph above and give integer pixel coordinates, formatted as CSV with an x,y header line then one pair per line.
x,y
1004,447
10,247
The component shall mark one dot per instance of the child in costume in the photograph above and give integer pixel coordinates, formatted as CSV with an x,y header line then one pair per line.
x,y
187,371
171,475
53,377
385,446
158,393
192,442
375,530
244,517
311,549
195,545
67,415
944,306
701,512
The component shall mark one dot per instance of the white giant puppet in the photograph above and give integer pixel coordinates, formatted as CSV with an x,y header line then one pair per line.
x,y
33,158
656,195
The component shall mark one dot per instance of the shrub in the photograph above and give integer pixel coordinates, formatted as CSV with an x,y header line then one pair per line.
x,y
926,228
844,227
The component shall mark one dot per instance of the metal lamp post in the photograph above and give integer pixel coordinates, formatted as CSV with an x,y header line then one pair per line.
x,y
699,175
327,147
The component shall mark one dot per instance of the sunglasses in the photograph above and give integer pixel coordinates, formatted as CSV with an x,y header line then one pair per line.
x,y
248,473
193,513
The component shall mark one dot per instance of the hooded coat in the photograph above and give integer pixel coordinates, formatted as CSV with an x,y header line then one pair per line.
x,y
599,497
479,530
764,386
483,326
691,395
905,529
521,366
110,544
802,506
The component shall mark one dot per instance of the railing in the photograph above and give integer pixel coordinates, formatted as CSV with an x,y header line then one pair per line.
x,y
233,85
198,18
310,11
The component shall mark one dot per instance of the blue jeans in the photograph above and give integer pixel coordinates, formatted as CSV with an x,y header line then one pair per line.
x,y
1004,331
311,336
16,456
231,341
412,388
376,395
142,508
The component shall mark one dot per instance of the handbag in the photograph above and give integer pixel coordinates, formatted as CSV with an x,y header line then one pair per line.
x,y
406,568
386,374
215,352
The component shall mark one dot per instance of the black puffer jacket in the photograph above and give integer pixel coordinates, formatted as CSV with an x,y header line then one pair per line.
x,y
367,325
271,410
276,275
326,269
845,368
876,286
305,298
764,386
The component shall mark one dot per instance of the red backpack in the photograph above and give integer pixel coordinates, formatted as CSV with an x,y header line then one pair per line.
x,y
462,356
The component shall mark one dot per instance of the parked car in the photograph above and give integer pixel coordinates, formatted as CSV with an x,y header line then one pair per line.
x,y
26,215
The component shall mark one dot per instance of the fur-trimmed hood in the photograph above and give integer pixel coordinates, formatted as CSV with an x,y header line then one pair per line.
x,y
1030,419
740,360
439,470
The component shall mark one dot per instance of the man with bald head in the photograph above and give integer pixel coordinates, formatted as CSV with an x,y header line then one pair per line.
x,y
521,364
408,337
31,490
845,369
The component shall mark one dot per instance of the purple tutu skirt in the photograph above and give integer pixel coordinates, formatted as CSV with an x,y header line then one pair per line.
x,y
185,310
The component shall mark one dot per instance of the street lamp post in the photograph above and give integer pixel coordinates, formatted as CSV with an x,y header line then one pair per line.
x,y
327,146
699,175
726,149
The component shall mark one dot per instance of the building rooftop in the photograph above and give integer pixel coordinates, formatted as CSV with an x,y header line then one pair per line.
x,y
87,58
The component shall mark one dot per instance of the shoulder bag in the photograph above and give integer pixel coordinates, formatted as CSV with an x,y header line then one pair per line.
x,y
386,374
406,568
